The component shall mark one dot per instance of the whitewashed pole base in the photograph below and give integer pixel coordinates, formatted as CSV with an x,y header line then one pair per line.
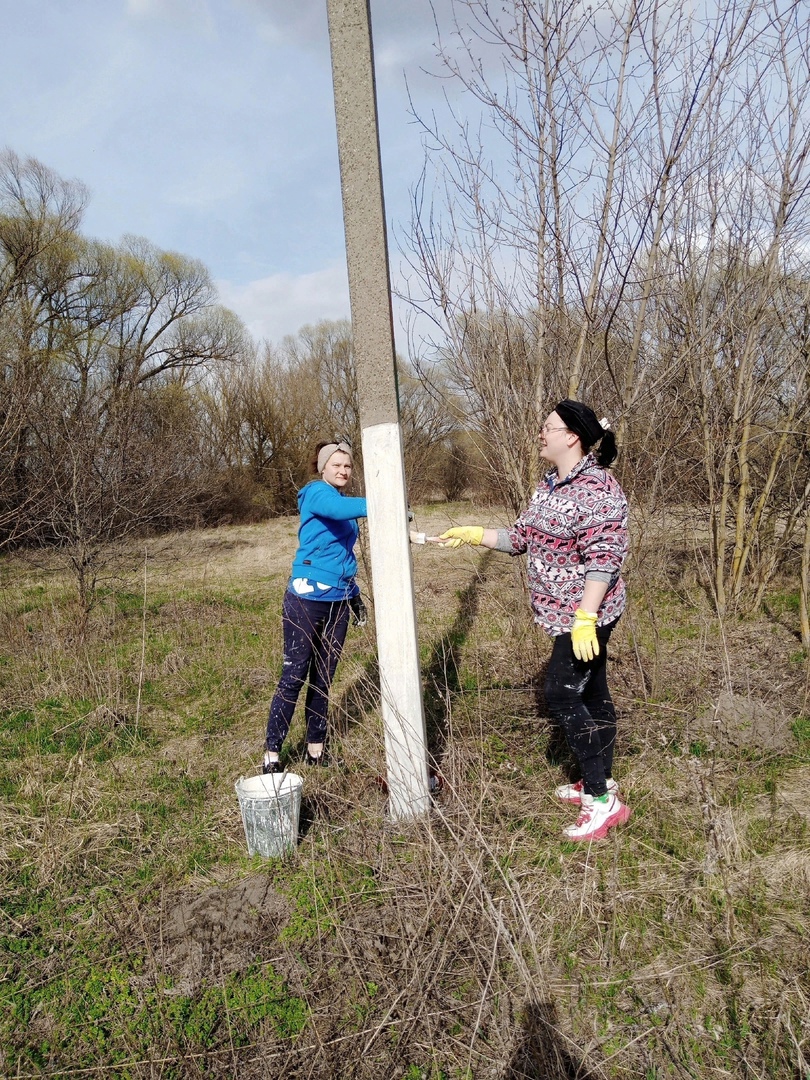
x,y
395,617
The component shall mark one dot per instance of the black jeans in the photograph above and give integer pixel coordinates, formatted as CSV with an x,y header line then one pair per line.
x,y
578,699
314,633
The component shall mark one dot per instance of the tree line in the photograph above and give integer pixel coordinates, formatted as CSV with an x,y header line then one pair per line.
x,y
616,208
132,402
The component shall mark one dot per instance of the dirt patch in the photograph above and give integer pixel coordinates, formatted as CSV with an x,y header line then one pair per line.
x,y
791,795
216,932
744,722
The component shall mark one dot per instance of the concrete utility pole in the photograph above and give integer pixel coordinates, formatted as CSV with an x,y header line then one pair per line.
x,y
370,295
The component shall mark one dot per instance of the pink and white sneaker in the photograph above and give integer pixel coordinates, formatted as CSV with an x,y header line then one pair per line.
x,y
573,792
595,818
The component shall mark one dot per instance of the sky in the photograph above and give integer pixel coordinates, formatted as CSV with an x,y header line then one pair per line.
x,y
207,126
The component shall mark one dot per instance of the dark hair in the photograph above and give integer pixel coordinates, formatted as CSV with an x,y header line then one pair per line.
x,y
581,419
607,450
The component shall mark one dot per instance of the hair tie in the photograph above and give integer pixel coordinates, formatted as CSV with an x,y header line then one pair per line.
x,y
604,423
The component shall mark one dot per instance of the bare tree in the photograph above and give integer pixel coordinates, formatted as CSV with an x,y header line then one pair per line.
x,y
614,206
40,214
100,346
265,418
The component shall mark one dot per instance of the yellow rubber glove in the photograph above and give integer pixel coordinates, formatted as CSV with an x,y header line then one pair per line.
x,y
583,635
463,534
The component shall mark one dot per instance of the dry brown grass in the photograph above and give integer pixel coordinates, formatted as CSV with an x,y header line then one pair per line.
x,y
470,944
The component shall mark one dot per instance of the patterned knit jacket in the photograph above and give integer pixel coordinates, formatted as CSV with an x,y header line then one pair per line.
x,y
573,527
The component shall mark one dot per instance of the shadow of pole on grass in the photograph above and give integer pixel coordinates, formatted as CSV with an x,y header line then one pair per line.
x,y
361,696
543,1052
440,675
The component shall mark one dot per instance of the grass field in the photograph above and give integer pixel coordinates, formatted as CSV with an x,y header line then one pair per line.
x,y
139,940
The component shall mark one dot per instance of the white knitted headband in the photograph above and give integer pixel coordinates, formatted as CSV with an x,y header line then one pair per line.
x,y
332,448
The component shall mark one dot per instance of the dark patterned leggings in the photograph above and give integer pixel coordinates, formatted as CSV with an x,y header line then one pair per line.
x,y
314,633
578,699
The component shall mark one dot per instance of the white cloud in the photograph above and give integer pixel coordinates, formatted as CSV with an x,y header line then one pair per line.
x,y
207,126
194,13
281,304
403,32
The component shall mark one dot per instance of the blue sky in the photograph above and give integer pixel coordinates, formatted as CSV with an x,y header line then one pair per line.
x,y
208,127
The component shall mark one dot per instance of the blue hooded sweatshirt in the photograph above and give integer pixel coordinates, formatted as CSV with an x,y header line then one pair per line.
x,y
327,535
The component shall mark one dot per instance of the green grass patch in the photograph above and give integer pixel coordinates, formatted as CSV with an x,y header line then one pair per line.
x,y
784,601
320,893
101,1016
62,726
801,729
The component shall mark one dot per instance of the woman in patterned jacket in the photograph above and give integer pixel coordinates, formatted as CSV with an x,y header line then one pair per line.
x,y
574,532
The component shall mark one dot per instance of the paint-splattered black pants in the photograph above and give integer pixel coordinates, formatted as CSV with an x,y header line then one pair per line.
x,y
314,633
578,699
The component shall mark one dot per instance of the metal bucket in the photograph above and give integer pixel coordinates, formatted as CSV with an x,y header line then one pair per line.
x,y
271,807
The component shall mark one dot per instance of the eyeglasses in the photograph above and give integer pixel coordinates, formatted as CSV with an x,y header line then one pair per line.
x,y
547,430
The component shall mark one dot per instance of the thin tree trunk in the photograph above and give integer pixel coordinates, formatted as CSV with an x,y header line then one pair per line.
x,y
804,589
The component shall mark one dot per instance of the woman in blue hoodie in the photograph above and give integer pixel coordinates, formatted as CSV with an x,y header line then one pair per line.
x,y
320,594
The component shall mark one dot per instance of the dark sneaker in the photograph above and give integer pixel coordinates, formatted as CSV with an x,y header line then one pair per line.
x,y
271,766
